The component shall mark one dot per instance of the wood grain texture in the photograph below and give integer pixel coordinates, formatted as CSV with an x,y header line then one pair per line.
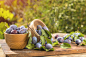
x,y
58,51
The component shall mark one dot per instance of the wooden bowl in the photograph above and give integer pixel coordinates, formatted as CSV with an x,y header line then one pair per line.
x,y
16,41
33,26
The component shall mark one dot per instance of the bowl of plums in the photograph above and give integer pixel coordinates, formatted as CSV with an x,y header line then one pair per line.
x,y
16,37
35,28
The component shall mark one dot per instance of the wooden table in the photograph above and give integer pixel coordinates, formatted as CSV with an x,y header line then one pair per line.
x,y
58,51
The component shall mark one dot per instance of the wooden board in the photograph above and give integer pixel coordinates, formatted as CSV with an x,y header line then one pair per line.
x,y
58,51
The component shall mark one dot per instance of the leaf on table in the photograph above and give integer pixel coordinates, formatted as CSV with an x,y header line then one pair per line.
x,y
55,43
42,40
65,45
76,37
44,33
30,46
83,42
48,40
81,35
49,34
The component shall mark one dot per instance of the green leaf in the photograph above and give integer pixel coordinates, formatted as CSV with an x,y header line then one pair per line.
x,y
81,35
76,37
30,46
83,42
36,48
65,45
44,33
52,49
66,37
42,40
49,34
48,40
71,32
55,43
43,48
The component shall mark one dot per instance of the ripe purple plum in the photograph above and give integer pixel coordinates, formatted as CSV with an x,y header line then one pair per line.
x,y
22,27
14,27
34,40
39,32
45,28
60,39
8,30
78,41
38,45
56,36
49,46
81,38
67,41
39,27
22,31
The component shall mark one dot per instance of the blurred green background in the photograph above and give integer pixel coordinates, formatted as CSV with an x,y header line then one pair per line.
x,y
60,16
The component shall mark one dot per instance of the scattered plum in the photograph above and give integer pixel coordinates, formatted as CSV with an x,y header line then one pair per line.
x,y
70,38
56,36
48,46
78,41
38,45
34,40
60,39
81,38
67,41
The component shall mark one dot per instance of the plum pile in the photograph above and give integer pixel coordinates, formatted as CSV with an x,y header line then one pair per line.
x,y
76,37
13,29
45,42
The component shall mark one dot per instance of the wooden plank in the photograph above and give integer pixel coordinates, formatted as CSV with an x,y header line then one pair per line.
x,y
58,51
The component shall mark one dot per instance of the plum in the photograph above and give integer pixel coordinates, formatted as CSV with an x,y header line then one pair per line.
x,y
22,27
67,41
56,36
22,31
78,41
70,38
49,46
81,38
51,39
34,40
60,39
8,30
38,45
39,32
45,28
14,27
39,27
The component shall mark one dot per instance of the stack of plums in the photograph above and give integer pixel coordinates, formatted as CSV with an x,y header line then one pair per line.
x,y
13,29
